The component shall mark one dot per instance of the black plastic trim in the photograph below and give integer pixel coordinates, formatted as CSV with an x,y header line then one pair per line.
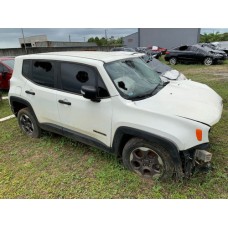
x,y
168,145
101,133
85,139
75,136
13,99
51,128
203,146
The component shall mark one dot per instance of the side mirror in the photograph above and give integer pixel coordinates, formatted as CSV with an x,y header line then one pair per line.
x,y
90,92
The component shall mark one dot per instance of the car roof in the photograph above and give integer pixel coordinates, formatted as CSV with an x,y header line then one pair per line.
x,y
95,55
6,58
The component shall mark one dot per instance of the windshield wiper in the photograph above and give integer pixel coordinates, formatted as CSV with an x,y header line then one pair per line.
x,y
146,95
151,93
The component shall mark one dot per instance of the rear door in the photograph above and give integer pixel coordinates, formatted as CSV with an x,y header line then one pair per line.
x,y
40,90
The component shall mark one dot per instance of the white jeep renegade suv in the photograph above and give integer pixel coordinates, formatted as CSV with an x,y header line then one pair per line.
x,y
116,102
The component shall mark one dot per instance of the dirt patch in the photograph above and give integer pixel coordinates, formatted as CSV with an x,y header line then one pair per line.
x,y
223,74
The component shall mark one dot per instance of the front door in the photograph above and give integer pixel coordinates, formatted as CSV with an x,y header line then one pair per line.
x,y
79,116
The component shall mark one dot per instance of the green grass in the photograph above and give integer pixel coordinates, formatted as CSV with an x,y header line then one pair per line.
x,y
56,167
4,108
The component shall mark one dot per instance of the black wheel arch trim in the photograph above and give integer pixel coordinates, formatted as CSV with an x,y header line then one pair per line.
x,y
121,132
13,99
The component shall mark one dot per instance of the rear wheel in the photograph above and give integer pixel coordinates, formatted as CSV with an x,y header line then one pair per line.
x,y
147,159
28,123
173,61
208,61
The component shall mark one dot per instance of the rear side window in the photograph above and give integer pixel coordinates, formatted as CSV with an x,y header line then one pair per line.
x,y
74,76
25,68
43,73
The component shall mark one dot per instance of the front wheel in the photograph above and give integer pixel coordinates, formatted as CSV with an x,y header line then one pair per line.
x,y
28,123
147,159
173,61
208,61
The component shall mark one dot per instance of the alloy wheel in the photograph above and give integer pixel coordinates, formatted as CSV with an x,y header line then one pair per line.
x,y
26,124
146,162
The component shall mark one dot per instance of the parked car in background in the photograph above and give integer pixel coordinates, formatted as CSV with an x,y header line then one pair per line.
x,y
192,54
222,45
150,53
211,48
123,49
165,72
157,49
153,54
6,70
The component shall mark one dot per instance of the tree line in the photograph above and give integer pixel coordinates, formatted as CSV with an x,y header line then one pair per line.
x,y
213,37
106,42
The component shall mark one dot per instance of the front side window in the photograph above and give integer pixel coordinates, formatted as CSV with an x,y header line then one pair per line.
x,y
74,76
132,77
43,73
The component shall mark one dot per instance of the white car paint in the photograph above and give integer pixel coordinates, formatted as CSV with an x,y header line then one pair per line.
x,y
174,113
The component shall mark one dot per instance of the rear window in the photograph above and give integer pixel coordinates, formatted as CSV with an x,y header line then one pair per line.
x,y
43,73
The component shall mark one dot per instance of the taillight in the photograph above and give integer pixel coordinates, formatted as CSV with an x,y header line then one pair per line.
x,y
167,52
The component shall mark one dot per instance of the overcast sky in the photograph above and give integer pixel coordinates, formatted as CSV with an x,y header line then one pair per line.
x,y
9,37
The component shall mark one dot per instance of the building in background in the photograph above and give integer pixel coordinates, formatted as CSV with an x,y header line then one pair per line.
x,y
163,37
42,41
131,40
32,40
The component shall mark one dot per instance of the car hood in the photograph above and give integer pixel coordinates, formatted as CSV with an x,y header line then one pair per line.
x,y
186,99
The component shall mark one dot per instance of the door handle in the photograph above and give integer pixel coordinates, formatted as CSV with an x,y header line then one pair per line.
x,y
64,102
30,92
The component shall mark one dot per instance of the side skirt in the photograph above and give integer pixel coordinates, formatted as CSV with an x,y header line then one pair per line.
x,y
75,136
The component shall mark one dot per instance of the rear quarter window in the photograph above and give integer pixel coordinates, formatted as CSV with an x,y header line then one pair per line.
x,y
25,68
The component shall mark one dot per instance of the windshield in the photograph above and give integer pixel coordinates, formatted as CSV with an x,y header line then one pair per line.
x,y
132,77
9,62
158,66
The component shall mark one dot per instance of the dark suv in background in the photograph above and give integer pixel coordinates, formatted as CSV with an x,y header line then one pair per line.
x,y
194,53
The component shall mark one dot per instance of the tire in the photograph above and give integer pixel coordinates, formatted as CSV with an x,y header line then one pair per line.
x,y
208,61
28,123
173,61
147,159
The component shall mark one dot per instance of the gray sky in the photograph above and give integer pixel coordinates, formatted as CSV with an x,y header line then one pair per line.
x,y
9,36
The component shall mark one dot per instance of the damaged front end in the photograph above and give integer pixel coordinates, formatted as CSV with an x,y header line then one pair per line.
x,y
196,159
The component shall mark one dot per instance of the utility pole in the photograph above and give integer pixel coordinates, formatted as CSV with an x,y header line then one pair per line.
x,y
106,34
84,38
24,40
69,38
